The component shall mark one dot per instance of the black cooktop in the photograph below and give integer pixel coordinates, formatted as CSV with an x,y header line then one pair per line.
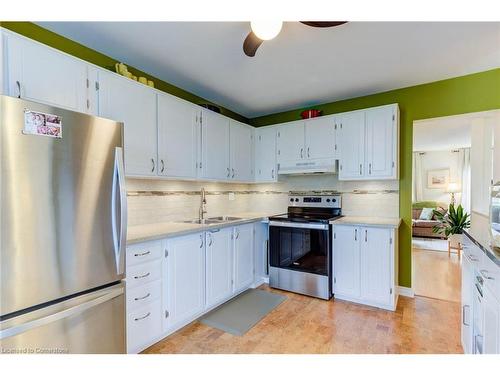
x,y
308,217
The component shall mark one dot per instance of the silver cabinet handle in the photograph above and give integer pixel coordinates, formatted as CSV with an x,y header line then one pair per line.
x,y
308,155
272,173
301,153
355,234
237,233
211,240
141,298
162,166
142,317
18,89
370,168
366,235
142,276
360,169
142,254
201,238
463,315
153,164
232,169
228,173
471,258
484,274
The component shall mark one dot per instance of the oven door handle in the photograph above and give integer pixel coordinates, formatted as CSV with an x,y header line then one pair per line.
x,y
289,224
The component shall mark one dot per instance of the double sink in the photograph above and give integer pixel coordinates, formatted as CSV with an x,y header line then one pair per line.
x,y
213,220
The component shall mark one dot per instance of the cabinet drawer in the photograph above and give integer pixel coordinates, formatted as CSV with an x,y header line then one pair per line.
x,y
472,252
143,326
143,294
143,252
143,273
491,274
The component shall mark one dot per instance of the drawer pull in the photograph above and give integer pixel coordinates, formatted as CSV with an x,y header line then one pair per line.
x,y
142,317
484,274
141,298
142,276
142,254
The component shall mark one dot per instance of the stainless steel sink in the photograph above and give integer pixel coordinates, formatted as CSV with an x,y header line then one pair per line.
x,y
224,218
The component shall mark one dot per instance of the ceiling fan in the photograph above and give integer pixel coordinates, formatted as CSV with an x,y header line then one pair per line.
x,y
266,30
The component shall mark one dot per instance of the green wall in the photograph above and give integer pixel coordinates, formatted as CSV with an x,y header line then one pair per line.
x,y
471,93
61,43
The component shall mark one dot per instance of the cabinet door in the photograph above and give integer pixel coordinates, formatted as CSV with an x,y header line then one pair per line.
x,y
42,74
243,257
380,143
261,257
133,104
185,281
481,164
241,151
265,154
376,267
467,297
346,270
491,308
496,150
215,146
290,142
177,137
352,146
219,265
320,138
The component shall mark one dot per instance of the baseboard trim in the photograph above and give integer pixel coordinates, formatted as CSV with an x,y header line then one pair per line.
x,y
406,292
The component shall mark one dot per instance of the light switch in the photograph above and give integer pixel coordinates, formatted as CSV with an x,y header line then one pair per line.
x,y
231,196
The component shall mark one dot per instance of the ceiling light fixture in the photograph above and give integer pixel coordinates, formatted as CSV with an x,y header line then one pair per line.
x,y
266,30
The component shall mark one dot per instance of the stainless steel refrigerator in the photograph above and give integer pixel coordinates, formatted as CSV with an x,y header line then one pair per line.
x,y
62,231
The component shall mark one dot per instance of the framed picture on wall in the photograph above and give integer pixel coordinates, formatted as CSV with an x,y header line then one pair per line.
x,y
438,178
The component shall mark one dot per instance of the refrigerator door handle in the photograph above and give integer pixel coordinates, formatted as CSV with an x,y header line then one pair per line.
x,y
74,310
119,233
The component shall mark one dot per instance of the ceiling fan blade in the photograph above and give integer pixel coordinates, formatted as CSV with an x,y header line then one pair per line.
x,y
323,23
251,43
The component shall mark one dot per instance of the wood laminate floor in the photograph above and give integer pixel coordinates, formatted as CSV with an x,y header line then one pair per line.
x,y
303,324
436,275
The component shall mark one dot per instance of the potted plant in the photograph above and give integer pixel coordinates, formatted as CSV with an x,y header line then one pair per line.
x,y
452,224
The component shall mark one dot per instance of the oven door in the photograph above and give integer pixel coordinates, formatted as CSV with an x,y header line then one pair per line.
x,y
298,246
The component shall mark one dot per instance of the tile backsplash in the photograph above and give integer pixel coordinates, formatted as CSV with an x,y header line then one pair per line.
x,y
153,201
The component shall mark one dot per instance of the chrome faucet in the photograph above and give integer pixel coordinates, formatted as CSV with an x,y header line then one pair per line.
x,y
203,202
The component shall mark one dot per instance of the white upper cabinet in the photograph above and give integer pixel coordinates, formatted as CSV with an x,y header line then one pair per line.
x,y
219,265
241,151
42,74
290,142
369,144
352,145
243,256
177,137
215,146
381,135
135,105
265,154
320,138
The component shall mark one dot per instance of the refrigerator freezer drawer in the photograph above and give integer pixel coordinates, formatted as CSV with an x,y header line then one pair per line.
x,y
91,323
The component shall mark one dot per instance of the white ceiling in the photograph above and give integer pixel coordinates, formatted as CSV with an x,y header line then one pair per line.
x,y
302,66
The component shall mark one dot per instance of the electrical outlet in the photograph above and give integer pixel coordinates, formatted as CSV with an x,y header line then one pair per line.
x,y
231,196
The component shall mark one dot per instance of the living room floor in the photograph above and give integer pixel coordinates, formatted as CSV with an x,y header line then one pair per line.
x,y
304,324
435,275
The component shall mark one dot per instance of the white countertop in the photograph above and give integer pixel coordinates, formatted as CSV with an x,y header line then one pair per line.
x,y
155,231
367,220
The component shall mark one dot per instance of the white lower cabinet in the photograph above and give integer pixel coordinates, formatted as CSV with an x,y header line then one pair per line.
x,y
364,265
467,299
174,281
243,257
184,279
491,322
219,265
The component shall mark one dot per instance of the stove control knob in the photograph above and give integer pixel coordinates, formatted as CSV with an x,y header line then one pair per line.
x,y
291,199
296,199
334,200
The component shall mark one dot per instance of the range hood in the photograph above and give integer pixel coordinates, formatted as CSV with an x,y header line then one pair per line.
x,y
320,166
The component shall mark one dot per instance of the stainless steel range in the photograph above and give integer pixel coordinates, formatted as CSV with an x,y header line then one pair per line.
x,y
300,249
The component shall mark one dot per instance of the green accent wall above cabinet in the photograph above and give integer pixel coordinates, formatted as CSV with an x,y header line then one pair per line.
x,y
471,93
